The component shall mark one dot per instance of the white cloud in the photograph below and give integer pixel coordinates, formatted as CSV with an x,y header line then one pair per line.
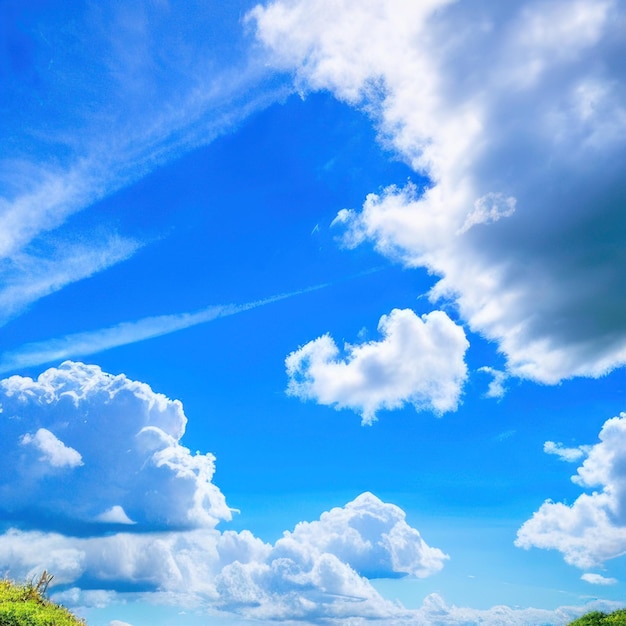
x,y
496,387
303,576
117,622
115,515
565,454
320,570
502,107
130,455
89,342
27,277
370,536
419,361
53,450
598,579
593,529
111,118
134,472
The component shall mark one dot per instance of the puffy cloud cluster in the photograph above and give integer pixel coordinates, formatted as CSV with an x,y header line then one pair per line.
x,y
104,452
419,361
97,448
320,569
592,529
515,113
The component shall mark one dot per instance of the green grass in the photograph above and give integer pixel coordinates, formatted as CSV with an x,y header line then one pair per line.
x,y
597,618
25,605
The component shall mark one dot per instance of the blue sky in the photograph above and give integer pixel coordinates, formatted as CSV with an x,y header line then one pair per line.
x,y
312,312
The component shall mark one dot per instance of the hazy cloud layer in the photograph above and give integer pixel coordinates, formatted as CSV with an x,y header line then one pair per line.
x,y
592,529
419,361
516,114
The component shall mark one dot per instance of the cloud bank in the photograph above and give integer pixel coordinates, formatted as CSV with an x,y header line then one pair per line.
x,y
106,451
592,530
515,113
419,361
140,512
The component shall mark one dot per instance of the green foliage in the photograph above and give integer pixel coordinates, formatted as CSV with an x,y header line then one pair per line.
x,y
597,618
25,605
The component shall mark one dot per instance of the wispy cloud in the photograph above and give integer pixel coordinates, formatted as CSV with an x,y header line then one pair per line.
x,y
141,118
91,342
26,278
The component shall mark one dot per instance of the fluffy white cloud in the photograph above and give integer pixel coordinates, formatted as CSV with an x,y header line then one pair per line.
x,y
598,579
516,114
119,439
565,454
317,571
132,475
419,361
496,387
593,529
53,450
371,536
115,515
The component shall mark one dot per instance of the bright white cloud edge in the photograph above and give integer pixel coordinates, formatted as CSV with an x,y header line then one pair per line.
x,y
591,530
484,101
419,361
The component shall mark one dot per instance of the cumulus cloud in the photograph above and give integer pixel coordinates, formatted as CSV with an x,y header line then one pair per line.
x,y
320,570
121,441
598,579
106,455
372,537
593,529
496,388
565,454
115,515
516,115
53,450
419,361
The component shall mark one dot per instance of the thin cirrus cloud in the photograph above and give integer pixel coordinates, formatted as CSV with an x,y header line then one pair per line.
x,y
126,114
419,361
27,278
91,342
592,529
497,104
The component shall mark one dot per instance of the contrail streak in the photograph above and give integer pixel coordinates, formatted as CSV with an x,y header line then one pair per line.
x,y
90,342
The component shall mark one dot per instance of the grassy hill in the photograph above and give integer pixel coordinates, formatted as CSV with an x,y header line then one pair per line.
x,y
597,618
25,605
